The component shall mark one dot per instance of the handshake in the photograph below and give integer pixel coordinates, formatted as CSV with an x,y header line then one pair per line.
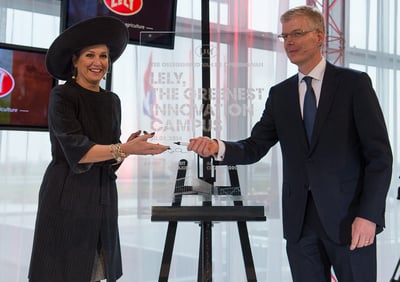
x,y
204,146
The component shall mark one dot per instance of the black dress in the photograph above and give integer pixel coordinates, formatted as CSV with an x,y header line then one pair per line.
x,y
78,205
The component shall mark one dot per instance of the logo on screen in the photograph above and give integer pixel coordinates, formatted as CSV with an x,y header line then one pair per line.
x,y
6,83
124,7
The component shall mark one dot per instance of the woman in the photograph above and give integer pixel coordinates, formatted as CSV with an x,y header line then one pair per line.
x,y
76,234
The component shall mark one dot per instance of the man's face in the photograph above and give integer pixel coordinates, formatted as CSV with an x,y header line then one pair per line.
x,y
302,43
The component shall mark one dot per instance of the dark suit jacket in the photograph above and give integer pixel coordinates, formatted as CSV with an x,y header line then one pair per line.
x,y
347,166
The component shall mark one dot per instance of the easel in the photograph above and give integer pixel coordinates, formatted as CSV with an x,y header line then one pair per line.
x,y
206,214
393,279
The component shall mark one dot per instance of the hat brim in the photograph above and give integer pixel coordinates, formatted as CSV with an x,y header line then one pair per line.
x,y
98,30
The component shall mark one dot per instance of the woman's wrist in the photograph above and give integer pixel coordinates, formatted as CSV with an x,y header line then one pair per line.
x,y
117,152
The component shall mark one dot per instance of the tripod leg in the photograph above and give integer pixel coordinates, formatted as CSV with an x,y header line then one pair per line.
x,y
205,254
168,248
393,279
246,251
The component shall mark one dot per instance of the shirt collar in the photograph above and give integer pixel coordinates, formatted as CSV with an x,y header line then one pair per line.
x,y
317,72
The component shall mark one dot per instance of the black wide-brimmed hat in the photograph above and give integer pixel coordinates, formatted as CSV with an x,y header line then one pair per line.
x,y
98,30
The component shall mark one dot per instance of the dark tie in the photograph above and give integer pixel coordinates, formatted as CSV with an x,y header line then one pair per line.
x,y
309,108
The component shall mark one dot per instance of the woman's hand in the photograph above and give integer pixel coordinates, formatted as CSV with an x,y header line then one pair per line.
x,y
134,135
138,145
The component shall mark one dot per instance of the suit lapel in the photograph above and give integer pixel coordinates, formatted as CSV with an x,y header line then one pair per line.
x,y
329,85
294,109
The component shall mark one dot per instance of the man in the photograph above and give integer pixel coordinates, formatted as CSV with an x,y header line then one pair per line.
x,y
336,171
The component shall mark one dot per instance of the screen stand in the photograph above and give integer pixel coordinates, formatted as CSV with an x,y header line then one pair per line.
x,y
206,214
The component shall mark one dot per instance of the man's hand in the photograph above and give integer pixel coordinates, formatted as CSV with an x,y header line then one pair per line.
x,y
203,146
362,233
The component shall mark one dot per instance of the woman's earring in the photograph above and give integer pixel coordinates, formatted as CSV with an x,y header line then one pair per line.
x,y
74,73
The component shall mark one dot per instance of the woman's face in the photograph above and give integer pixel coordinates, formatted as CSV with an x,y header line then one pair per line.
x,y
92,66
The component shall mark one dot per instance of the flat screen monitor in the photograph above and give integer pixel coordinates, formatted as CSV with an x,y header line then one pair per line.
x,y
25,87
149,22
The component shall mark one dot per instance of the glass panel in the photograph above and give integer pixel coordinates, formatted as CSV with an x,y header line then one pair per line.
x,y
245,61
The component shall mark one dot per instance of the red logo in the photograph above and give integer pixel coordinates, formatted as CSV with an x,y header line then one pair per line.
x,y
124,7
6,83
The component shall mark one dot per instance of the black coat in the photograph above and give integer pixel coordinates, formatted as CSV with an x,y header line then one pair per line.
x,y
78,206
348,165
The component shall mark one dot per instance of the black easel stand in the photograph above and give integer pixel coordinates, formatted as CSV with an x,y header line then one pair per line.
x,y
206,214
394,279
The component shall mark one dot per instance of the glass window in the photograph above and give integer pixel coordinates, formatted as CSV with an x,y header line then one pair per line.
x,y
161,90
